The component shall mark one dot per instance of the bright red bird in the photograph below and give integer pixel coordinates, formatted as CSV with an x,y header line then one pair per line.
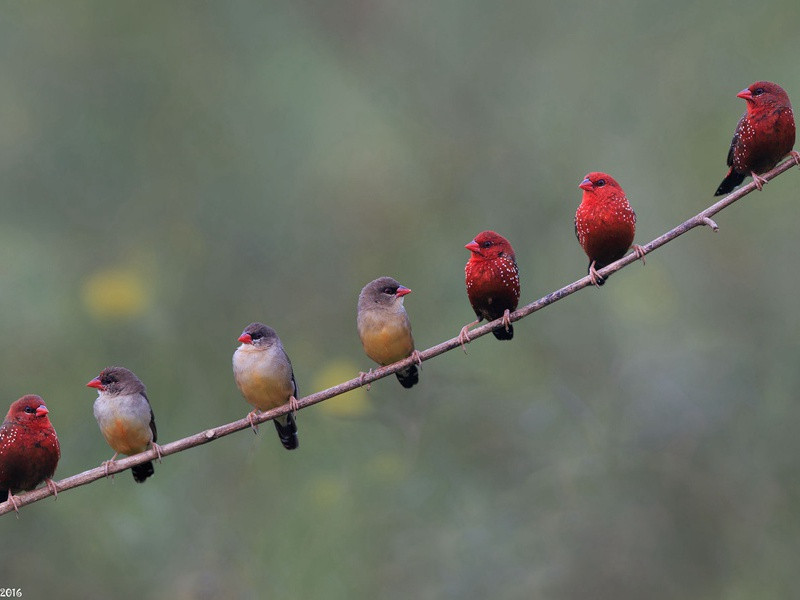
x,y
492,279
29,449
764,135
604,223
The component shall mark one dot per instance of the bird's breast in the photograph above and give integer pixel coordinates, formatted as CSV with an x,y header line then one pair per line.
x,y
386,336
264,380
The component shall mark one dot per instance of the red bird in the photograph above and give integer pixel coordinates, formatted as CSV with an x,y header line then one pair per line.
x,y
29,449
604,223
764,135
492,279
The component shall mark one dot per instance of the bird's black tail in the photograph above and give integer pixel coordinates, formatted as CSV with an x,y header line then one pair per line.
x,y
287,432
502,334
408,376
732,179
3,495
142,471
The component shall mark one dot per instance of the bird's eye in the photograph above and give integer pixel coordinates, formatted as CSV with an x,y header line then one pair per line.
x,y
389,291
487,244
758,91
30,410
107,380
600,182
256,335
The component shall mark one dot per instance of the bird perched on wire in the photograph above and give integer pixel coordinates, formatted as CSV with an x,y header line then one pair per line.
x,y
605,223
764,135
492,279
29,449
264,375
125,417
384,328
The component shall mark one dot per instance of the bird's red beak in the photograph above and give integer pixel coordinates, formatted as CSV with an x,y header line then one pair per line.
x,y
402,291
586,184
746,95
41,411
246,338
473,247
95,383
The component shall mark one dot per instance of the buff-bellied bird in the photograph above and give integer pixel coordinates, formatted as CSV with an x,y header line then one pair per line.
x,y
264,375
125,417
384,327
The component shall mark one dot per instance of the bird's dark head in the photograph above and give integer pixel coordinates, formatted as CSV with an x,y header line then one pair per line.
x,y
489,245
598,182
764,94
384,291
117,380
258,335
27,409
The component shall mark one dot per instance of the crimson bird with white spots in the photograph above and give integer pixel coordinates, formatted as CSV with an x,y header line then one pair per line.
x,y
764,135
492,280
605,223
29,449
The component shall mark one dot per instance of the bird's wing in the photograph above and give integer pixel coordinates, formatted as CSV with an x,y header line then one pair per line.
x,y
152,418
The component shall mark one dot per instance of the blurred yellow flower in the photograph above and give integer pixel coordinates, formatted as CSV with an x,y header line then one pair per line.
x,y
352,404
115,292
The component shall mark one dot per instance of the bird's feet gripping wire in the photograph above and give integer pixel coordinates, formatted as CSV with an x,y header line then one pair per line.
x,y
463,337
594,276
361,376
758,180
251,419
108,463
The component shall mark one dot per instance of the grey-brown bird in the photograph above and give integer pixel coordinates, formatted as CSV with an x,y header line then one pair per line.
x,y
264,375
384,328
125,417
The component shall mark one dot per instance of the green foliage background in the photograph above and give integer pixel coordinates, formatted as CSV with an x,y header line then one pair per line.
x,y
171,171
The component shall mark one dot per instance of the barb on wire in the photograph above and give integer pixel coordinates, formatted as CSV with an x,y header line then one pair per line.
x,y
702,219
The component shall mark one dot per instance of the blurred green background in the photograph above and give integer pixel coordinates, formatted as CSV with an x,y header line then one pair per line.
x,y
173,171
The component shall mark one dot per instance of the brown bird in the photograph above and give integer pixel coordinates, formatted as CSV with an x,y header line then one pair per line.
x,y
605,223
492,279
264,375
29,449
125,417
764,135
384,328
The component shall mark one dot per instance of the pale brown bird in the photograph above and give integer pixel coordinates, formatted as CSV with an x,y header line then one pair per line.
x,y
125,417
264,375
384,328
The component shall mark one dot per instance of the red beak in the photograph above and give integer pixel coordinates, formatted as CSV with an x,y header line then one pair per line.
x,y
473,247
42,411
246,338
402,291
586,184
95,383
746,95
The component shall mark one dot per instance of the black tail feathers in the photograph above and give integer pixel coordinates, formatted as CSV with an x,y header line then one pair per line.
x,y
732,179
142,471
287,432
502,334
408,376
3,495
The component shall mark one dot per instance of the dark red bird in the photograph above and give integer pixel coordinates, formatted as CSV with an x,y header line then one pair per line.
x,y
492,279
29,449
764,135
604,223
